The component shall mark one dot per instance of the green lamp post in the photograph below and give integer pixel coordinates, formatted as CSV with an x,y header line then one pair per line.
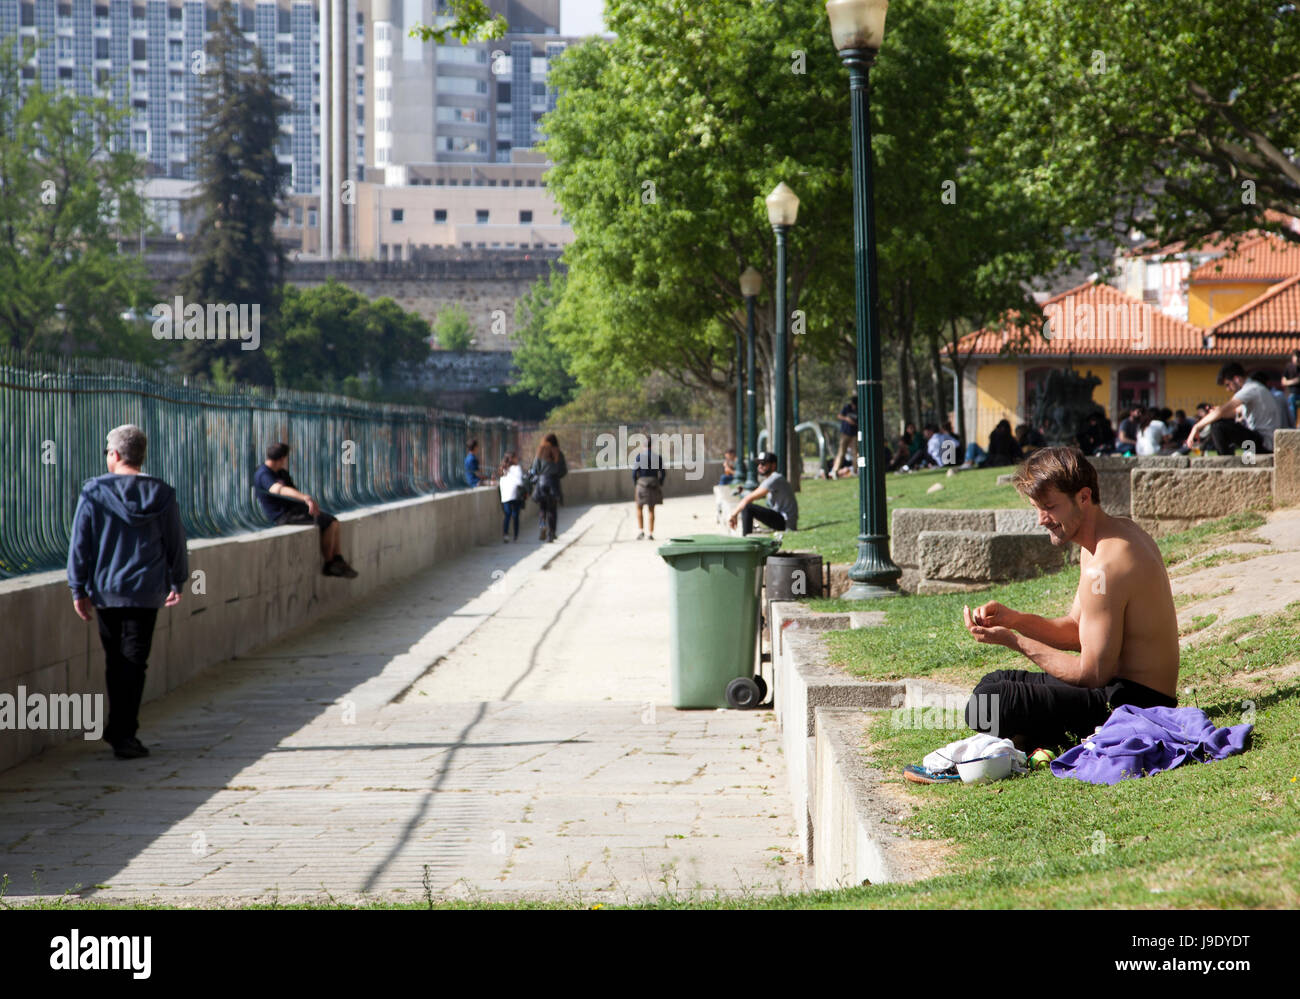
x,y
782,210
857,29
751,283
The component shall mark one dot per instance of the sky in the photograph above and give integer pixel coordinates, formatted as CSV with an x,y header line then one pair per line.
x,y
581,17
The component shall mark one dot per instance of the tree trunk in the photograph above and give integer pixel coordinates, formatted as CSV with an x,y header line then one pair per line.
x,y
936,376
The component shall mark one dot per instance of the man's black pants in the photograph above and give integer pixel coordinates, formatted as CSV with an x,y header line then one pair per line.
x,y
1228,435
763,514
127,634
1046,711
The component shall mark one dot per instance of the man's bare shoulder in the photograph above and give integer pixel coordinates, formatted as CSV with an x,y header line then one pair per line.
x,y
1125,545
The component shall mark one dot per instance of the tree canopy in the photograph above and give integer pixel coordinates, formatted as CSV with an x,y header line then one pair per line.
x,y
1179,119
66,198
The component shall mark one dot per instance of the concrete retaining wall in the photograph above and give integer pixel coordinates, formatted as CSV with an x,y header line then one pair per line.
x,y
258,587
804,684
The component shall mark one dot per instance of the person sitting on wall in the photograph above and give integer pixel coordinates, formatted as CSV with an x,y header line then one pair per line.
x,y
1263,414
1126,439
1122,624
1096,436
728,467
782,510
284,504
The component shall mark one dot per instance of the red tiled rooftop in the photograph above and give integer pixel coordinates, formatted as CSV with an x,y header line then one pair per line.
x,y
1265,258
1096,320
1275,314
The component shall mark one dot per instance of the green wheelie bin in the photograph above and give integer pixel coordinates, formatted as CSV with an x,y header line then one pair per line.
x,y
715,607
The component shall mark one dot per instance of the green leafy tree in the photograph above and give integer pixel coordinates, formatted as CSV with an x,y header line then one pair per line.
x,y
1177,118
665,142
541,361
238,259
453,328
333,338
66,198
667,139
467,21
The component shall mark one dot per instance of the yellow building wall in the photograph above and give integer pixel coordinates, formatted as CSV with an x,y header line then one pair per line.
x,y
1188,384
1208,303
1100,393
997,391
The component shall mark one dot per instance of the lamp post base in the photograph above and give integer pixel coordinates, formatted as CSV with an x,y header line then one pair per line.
x,y
870,591
874,574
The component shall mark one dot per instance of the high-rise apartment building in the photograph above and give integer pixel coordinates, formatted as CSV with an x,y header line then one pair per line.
x,y
393,112
146,55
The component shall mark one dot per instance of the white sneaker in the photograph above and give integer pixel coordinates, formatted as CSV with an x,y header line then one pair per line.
x,y
640,535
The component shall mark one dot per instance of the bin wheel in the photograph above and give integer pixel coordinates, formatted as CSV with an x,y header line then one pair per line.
x,y
742,693
762,689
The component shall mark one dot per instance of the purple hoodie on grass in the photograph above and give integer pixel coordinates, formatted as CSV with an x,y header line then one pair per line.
x,y
1136,742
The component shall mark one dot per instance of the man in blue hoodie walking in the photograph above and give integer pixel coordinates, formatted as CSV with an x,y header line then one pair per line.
x,y
127,559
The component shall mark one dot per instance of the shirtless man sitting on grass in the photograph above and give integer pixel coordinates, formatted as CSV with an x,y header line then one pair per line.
x,y
1123,624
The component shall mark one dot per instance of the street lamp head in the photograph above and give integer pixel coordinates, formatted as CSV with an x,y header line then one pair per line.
x,y
751,282
782,205
857,24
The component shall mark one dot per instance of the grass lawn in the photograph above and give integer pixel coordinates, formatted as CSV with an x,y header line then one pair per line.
x,y
828,509
1222,834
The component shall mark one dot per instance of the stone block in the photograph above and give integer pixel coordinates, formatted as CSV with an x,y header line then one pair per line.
x,y
908,524
1232,461
1286,468
978,556
1017,522
1200,493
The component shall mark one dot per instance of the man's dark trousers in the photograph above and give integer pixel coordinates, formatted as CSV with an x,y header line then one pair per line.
x,y
1046,711
763,514
127,634
1228,435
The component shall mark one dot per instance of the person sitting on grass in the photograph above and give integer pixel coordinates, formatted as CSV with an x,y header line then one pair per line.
x,y
284,504
1119,643
782,511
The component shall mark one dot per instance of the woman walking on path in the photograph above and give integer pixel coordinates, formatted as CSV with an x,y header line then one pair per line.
x,y
549,467
512,494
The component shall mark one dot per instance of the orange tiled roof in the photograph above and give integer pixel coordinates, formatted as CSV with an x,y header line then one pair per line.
x,y
1264,258
1096,320
1275,315
1215,243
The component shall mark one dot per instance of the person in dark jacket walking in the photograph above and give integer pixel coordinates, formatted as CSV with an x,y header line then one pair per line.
x,y
126,560
648,474
548,468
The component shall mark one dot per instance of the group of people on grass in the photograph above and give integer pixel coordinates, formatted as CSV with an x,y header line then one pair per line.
x,y
1247,419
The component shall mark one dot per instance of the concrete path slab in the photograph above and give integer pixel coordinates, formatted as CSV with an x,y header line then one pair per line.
x,y
496,727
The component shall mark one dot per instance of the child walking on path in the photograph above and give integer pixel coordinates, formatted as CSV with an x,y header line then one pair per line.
x,y
512,494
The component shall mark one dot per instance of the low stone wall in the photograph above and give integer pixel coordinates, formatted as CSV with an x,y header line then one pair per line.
x,y
257,587
1286,471
954,561
945,551
1165,500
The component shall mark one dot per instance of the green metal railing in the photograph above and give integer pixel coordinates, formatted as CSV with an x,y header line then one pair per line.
x,y
55,413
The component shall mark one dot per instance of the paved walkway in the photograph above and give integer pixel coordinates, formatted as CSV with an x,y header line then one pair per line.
x,y
495,727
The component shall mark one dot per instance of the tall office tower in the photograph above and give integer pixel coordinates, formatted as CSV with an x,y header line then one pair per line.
x,y
146,55
455,103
